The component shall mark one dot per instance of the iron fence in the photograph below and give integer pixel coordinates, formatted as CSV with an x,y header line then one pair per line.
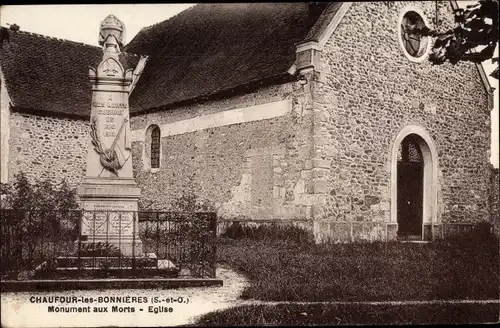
x,y
85,244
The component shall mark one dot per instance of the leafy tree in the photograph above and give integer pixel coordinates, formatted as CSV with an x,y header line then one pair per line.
x,y
475,26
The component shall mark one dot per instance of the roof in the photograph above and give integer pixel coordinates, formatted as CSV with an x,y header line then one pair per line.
x,y
203,51
46,74
214,47
322,23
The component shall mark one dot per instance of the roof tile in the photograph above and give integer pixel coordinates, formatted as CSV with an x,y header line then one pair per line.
x,y
211,48
50,74
206,49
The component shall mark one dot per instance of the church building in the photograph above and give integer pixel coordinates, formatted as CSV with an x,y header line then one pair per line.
x,y
326,115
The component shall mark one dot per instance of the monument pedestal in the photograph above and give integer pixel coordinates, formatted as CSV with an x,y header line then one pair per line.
x,y
110,214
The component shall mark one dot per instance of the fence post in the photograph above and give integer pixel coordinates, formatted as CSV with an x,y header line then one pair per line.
x,y
57,227
351,230
107,245
31,246
93,240
43,236
120,245
135,217
19,250
79,238
157,234
214,244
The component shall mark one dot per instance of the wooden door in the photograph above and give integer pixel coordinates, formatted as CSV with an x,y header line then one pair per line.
x,y
410,199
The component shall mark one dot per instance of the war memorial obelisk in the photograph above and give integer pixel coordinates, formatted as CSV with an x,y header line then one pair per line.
x,y
109,184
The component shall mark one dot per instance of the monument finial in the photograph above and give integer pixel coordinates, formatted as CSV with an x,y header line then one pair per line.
x,y
111,33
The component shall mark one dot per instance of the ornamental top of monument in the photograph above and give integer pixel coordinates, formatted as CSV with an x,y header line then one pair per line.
x,y
111,26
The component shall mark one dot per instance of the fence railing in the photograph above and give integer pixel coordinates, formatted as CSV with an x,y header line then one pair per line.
x,y
60,244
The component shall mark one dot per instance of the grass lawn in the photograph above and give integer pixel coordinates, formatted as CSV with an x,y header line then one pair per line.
x,y
321,314
284,268
290,271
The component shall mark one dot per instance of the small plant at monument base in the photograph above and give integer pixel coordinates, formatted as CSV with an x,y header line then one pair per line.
x,y
105,267
98,249
46,269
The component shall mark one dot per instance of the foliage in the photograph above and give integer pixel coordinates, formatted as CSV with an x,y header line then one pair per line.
x,y
188,201
105,266
40,209
184,235
273,231
38,220
98,249
48,266
41,195
475,26
195,233
482,233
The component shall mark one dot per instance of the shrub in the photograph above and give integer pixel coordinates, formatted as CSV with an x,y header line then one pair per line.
x,y
40,209
481,234
38,221
98,249
269,232
184,234
190,202
41,195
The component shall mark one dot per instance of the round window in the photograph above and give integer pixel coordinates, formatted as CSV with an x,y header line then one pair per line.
x,y
415,46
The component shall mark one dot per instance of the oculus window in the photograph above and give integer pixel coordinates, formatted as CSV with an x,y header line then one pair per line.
x,y
415,46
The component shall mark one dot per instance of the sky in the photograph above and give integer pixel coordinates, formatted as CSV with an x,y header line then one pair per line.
x,y
75,22
81,22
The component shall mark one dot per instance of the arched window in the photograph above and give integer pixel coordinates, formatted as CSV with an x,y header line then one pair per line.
x,y
155,147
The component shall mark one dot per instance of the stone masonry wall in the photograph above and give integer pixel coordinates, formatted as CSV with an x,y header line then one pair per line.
x,y
495,199
254,170
48,147
367,91
4,130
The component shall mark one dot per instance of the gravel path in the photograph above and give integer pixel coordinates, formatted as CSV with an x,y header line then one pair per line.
x,y
18,311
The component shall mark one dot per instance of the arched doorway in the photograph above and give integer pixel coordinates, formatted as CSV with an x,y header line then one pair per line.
x,y
413,168
410,192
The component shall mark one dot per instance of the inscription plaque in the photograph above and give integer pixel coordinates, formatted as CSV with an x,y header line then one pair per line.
x,y
108,218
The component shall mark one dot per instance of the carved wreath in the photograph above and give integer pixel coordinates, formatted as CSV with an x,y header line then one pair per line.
x,y
108,158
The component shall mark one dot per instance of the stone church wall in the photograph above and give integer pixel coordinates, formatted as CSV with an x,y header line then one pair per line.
x,y
47,147
5,131
367,91
256,169
495,200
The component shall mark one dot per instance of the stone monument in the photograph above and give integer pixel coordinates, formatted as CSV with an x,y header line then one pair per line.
x,y
109,184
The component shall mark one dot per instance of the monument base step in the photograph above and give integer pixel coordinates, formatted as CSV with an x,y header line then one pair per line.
x,y
103,262
66,267
111,247
110,273
124,261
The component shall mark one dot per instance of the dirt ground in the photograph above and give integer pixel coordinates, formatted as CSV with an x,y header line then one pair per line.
x,y
23,310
